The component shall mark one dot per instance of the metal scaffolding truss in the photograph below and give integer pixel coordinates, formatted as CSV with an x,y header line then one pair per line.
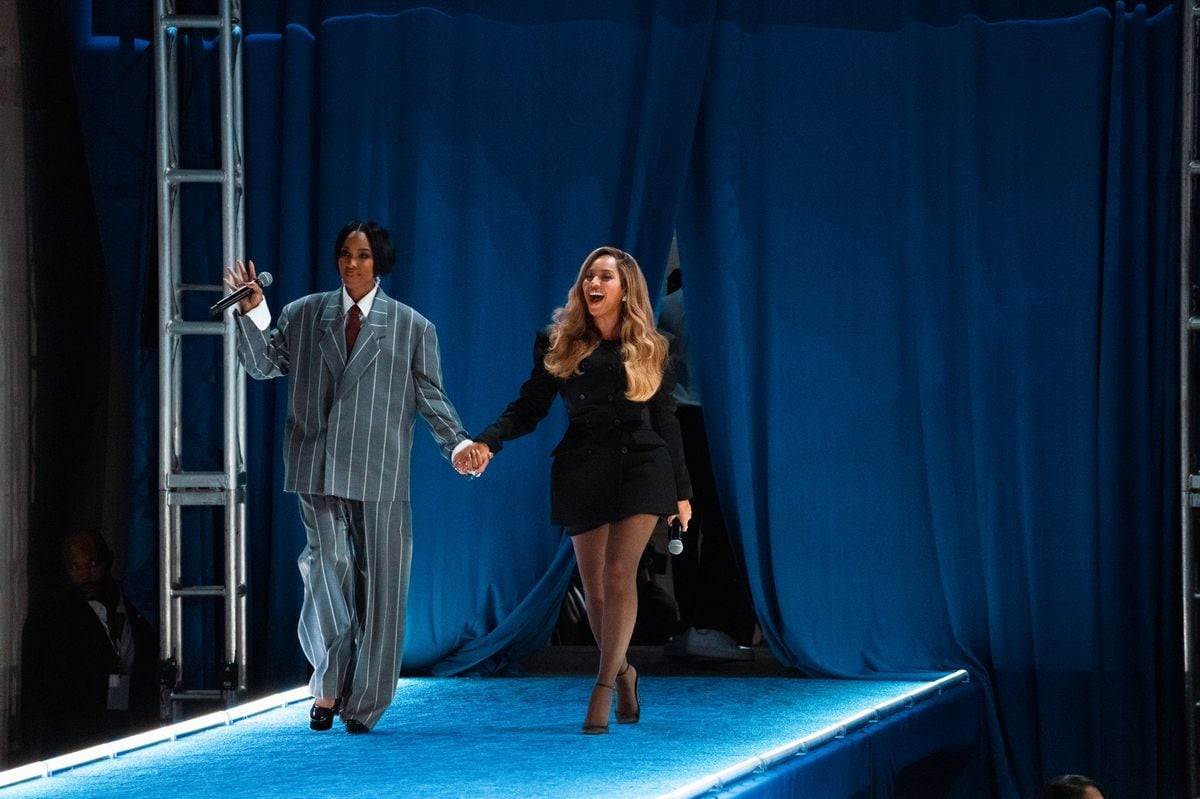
x,y
221,492
1189,295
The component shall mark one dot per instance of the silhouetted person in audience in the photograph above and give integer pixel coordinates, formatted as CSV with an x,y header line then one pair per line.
x,y
1069,786
92,659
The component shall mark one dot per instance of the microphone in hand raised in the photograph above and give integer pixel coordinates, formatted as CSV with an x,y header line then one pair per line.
x,y
263,280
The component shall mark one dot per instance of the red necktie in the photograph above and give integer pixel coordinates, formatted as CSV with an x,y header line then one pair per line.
x,y
353,325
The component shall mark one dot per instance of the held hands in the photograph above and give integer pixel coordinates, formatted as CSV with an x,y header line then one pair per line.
x,y
237,276
684,515
474,459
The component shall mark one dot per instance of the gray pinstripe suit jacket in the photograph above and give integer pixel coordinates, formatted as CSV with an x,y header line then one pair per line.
x,y
349,425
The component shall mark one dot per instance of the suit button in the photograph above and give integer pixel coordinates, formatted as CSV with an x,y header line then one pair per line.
x,y
624,450
610,397
616,422
583,396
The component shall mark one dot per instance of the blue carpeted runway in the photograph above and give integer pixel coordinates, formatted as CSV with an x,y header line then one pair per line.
x,y
475,737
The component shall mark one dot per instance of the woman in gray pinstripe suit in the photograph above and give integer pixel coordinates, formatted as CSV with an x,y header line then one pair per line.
x,y
361,367
619,467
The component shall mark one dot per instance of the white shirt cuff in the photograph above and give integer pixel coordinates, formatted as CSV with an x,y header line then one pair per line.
x,y
260,315
466,442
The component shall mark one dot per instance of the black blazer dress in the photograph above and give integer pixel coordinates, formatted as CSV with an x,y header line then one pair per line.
x,y
618,457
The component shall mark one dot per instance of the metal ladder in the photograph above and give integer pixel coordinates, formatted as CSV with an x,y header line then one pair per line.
x,y
217,491
1189,296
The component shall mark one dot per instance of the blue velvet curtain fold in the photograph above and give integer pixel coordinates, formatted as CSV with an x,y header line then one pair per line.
x,y
930,266
947,252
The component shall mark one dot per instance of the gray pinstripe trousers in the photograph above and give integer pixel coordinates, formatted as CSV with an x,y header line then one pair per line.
x,y
355,570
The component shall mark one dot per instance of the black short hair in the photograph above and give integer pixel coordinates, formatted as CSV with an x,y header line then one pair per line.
x,y
377,236
1066,786
103,553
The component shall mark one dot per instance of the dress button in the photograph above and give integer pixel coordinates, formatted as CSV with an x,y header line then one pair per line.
x,y
624,450
583,396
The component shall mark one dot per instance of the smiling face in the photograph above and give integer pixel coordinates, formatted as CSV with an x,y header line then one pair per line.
x,y
600,288
356,264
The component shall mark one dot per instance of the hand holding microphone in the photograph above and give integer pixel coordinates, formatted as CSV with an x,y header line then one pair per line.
x,y
676,525
675,537
245,289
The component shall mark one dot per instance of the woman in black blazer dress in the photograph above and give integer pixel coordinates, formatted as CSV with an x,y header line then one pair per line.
x,y
619,467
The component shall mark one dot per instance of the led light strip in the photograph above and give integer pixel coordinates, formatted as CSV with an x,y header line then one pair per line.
x,y
108,751
760,763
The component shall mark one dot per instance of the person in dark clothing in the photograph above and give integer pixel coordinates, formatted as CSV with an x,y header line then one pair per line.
x,y
716,613
619,468
92,658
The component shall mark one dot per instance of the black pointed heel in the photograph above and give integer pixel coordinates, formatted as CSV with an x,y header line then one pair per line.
x,y
635,716
598,729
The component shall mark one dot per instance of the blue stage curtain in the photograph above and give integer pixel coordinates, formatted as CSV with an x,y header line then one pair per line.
x,y
929,252
935,268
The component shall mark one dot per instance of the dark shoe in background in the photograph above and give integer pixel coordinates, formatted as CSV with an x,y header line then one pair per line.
x,y
706,645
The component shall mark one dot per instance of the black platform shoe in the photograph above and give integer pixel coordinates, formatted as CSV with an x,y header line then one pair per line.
x,y
320,718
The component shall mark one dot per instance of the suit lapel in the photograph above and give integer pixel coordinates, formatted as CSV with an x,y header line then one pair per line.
x,y
366,349
331,336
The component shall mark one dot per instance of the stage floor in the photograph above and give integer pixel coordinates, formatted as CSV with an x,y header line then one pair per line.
x,y
519,736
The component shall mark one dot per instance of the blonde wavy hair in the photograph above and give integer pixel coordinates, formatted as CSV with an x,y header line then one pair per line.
x,y
574,335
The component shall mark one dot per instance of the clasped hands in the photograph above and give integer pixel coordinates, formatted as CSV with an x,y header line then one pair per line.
x,y
473,460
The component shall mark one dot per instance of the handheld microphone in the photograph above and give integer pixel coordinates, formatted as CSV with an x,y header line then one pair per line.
x,y
264,279
675,537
